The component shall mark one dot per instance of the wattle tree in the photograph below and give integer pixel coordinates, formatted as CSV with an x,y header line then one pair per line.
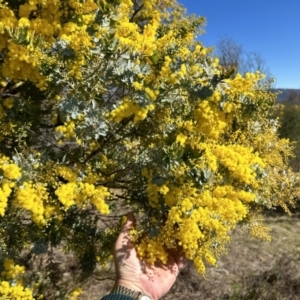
x,y
115,106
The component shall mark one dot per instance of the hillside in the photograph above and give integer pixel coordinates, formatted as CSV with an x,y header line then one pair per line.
x,y
284,93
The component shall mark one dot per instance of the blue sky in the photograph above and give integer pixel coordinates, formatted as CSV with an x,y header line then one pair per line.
x,y
269,27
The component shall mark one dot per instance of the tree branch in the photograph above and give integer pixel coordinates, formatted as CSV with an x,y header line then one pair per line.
x,y
136,12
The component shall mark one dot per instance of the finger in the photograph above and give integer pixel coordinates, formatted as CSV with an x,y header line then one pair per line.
x,y
130,222
181,261
124,234
179,257
123,243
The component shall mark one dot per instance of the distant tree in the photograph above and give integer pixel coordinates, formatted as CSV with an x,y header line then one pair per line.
x,y
232,55
292,97
288,113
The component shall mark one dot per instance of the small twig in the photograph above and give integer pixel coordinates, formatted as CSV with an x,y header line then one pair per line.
x,y
107,141
136,12
10,95
45,139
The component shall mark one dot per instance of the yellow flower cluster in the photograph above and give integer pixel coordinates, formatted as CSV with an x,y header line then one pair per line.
x,y
240,161
145,40
129,34
67,130
210,120
187,226
128,108
181,139
67,173
5,192
194,215
153,194
11,290
8,19
257,230
244,85
44,20
151,249
8,103
22,62
81,194
76,292
11,173
31,197
17,292
165,71
171,196
11,270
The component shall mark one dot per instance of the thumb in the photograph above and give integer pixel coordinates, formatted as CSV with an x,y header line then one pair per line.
x,y
123,242
127,226
129,223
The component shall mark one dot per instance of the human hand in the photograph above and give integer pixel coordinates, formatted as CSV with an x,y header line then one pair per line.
x,y
135,274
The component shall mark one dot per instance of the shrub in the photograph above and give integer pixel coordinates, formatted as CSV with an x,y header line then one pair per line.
x,y
110,106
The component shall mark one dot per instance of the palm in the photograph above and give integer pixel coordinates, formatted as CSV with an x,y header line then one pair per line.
x,y
133,273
